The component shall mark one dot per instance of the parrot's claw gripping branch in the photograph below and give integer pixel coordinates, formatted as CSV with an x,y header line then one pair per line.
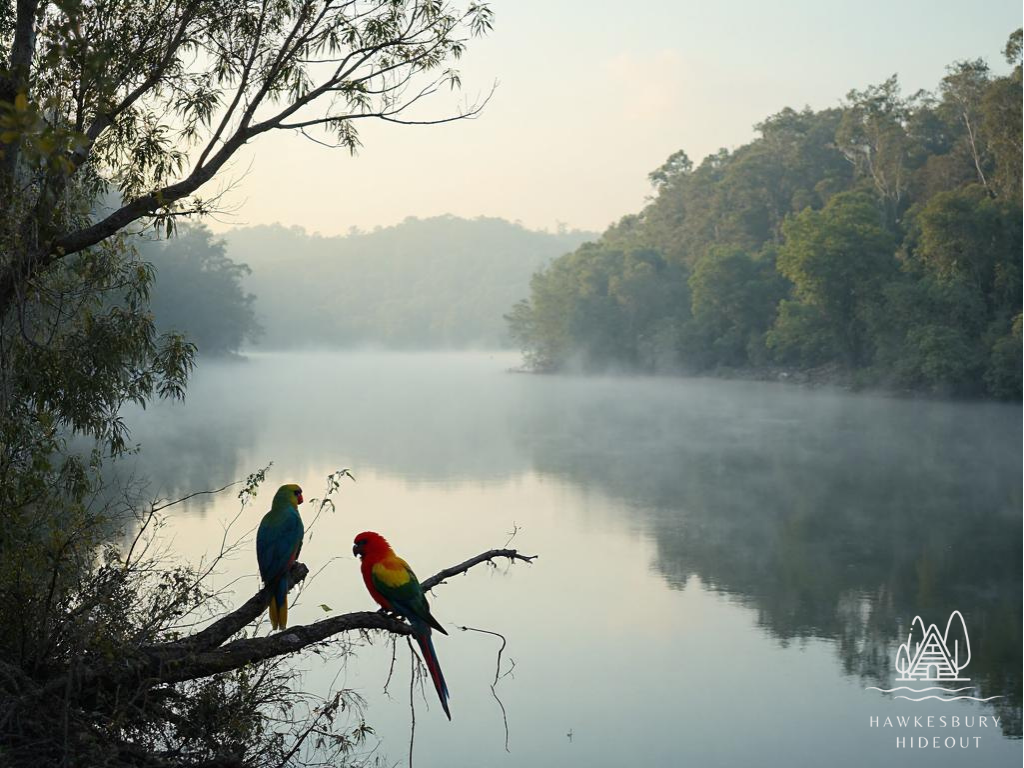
x,y
298,573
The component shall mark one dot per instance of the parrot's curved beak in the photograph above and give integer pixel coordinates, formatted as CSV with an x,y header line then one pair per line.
x,y
298,497
356,550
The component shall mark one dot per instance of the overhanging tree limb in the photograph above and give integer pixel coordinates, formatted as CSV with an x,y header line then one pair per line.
x,y
227,74
204,653
227,626
191,665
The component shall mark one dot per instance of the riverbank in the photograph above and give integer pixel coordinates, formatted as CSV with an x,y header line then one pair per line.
x,y
828,376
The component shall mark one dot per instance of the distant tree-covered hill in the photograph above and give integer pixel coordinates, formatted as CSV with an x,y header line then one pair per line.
x,y
198,290
878,242
439,282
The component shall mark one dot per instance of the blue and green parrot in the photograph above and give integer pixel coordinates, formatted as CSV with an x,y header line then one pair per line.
x,y
278,543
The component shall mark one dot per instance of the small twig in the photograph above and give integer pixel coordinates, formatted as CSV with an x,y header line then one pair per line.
x,y
333,485
391,667
157,508
412,699
497,675
455,570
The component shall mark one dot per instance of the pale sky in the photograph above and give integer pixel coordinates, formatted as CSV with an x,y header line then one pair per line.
x,y
593,96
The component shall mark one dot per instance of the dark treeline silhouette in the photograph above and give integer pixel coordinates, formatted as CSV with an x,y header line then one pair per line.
x,y
878,242
198,291
442,282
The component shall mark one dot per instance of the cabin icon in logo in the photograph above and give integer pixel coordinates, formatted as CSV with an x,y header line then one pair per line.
x,y
927,655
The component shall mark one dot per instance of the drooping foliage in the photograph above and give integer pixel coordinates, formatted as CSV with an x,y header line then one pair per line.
x,y
878,243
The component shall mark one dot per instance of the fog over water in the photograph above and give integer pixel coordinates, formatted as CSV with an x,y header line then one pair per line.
x,y
724,568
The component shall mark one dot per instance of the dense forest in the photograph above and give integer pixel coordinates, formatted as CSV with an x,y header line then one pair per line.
x,y
875,243
198,291
439,282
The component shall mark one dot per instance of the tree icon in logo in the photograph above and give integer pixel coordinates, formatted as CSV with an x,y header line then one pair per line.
x,y
927,655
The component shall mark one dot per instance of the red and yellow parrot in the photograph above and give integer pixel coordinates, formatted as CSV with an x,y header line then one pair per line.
x,y
395,587
278,543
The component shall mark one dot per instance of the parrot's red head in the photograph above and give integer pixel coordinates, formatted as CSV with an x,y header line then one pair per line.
x,y
370,545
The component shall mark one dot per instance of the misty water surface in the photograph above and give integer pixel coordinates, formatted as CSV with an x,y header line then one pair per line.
x,y
725,566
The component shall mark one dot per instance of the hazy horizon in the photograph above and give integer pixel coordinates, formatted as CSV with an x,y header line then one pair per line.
x,y
601,100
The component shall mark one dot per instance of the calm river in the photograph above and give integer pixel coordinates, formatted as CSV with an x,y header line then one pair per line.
x,y
726,571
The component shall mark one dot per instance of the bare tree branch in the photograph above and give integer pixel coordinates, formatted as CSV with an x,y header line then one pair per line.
x,y
191,665
487,557
203,654
229,625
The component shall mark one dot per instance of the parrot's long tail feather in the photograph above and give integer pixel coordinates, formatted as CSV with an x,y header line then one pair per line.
x,y
434,667
278,607
275,611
